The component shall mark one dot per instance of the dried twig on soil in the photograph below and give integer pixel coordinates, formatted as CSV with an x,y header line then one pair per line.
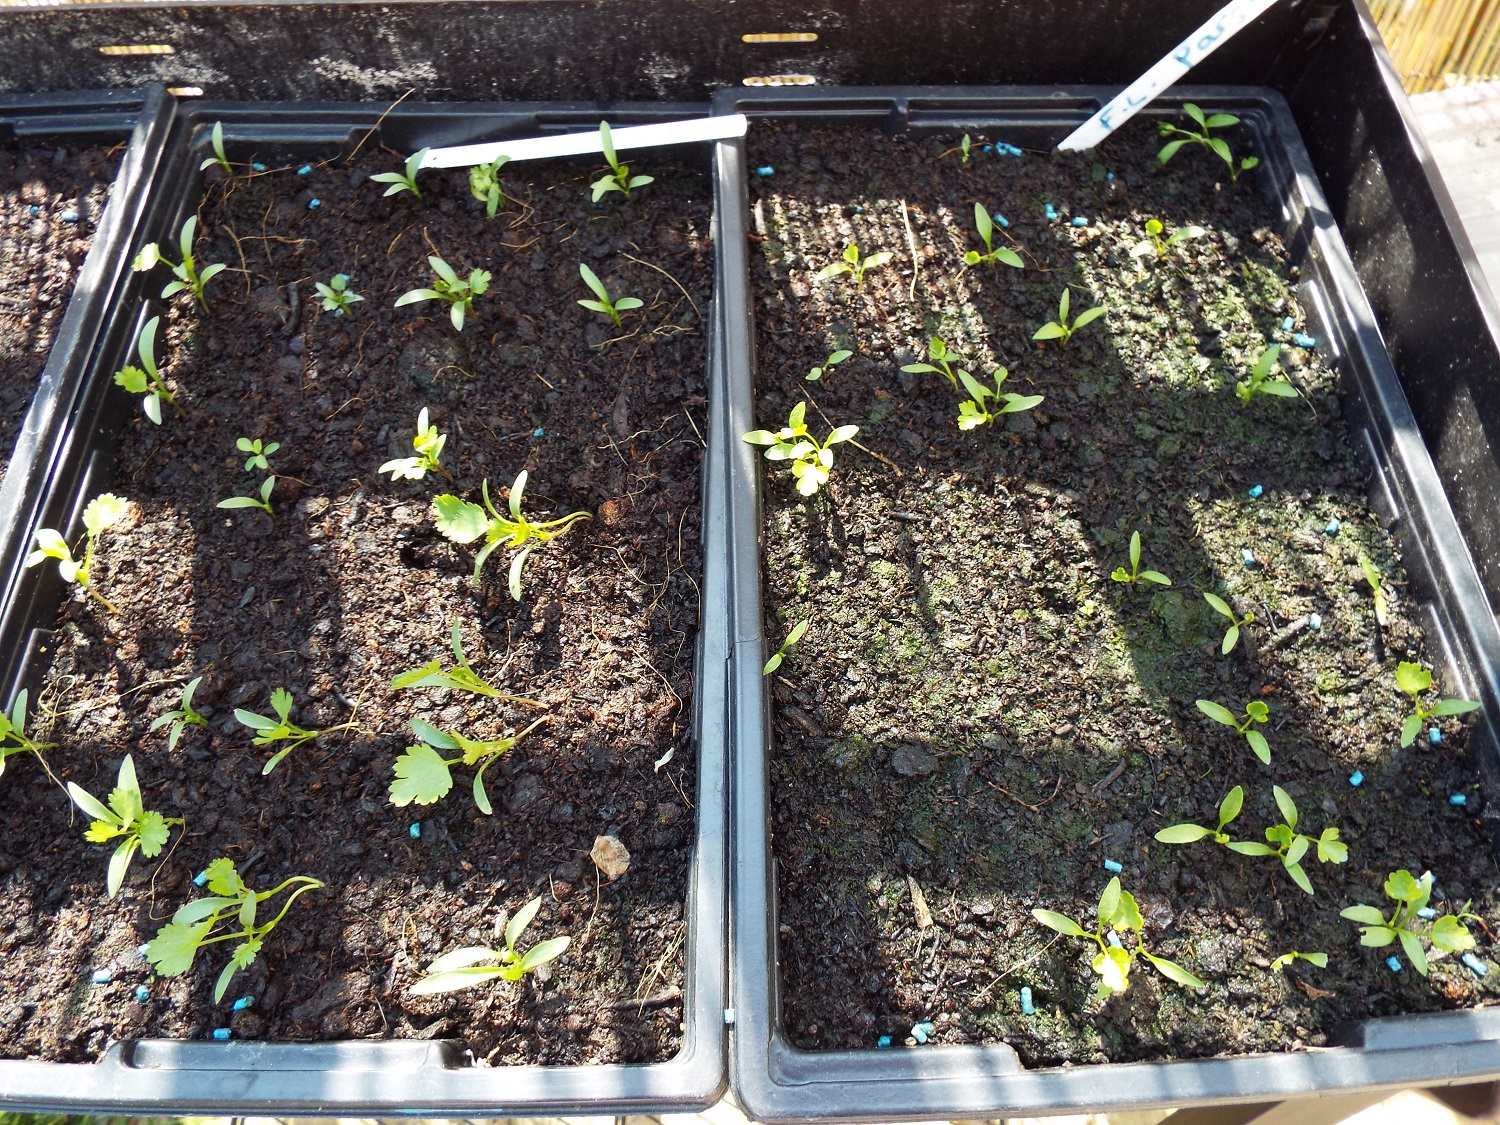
x,y
1034,808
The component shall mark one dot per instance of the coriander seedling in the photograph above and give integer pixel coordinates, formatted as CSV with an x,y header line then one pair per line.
x,y
228,913
1135,573
986,227
1259,380
854,265
618,178
429,446
1411,895
464,522
1232,634
463,969
268,732
405,180
786,648
146,379
188,277
1154,243
446,286
976,410
126,815
962,148
611,309
1061,329
183,717
258,451
1216,145
263,501
833,360
1255,712
812,461
1414,680
1286,960
941,355
424,776
216,140
461,677
13,736
337,296
1377,588
1117,911
102,512
485,186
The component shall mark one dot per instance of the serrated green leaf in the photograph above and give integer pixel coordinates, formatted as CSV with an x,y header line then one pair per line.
x,y
459,520
422,775
172,950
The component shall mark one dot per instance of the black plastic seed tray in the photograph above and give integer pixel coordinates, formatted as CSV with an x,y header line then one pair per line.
x,y
366,1078
140,120
779,1082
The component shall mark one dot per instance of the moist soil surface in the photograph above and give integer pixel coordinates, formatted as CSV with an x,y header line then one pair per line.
x,y
349,586
979,720
51,200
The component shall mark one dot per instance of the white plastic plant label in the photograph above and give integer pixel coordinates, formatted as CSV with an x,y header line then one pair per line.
x,y
578,144
1186,55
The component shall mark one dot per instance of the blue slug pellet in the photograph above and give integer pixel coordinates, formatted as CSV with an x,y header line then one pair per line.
x,y
257,166
305,170
1332,527
1051,213
1474,963
200,878
69,216
1427,912
1080,221
415,831
538,432
221,1033
1001,219
1247,556
1435,737
1393,964
1111,865
314,204
765,170
243,1002
142,993
1027,1008
1303,340
1459,800
883,1041
35,210
1356,779
1288,324
922,1032
1256,491
102,976
1314,621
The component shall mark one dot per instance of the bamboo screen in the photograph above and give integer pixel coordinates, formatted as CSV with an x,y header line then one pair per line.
x,y
1441,43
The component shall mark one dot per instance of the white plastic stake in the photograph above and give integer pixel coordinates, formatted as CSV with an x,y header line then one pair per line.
x,y
1188,54
578,144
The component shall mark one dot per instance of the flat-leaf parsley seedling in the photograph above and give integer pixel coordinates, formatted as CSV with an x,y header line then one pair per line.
x,y
461,677
429,446
13,736
1285,843
854,265
1414,680
833,360
1117,911
263,501
1255,712
228,913
216,141
1217,145
1154,243
146,379
1232,634
337,296
976,410
1411,896
786,648
102,512
1135,573
1060,329
405,180
941,355
446,286
812,461
464,522
986,227
182,717
268,732
485,186
188,277
1260,381
618,178
611,309
126,815
1288,959
463,969
424,776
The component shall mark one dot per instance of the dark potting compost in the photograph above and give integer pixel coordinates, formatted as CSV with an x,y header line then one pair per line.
x,y
51,199
980,721
348,584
